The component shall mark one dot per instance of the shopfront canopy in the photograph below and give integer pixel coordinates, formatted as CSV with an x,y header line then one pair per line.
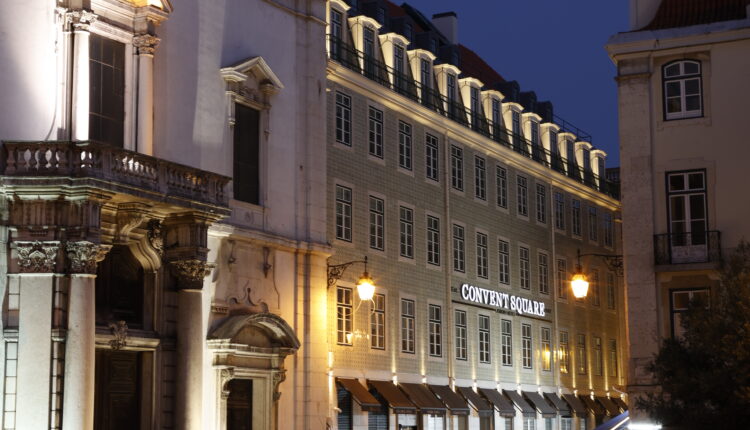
x,y
520,403
609,406
423,398
360,394
502,404
476,401
575,405
456,405
620,403
540,404
395,398
562,408
592,405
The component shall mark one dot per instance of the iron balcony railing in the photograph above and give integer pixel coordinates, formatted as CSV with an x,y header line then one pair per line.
x,y
681,248
404,84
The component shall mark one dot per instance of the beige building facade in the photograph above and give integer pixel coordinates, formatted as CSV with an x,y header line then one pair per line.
x,y
681,89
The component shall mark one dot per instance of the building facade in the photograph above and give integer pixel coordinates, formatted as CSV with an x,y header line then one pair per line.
x,y
681,86
469,200
164,237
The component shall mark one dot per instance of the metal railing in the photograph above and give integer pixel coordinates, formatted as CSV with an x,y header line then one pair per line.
x,y
431,98
681,248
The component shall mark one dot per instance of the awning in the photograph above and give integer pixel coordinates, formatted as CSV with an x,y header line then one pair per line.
x,y
520,403
592,405
620,403
502,404
421,396
540,404
456,405
619,422
561,406
360,394
612,409
575,405
478,403
396,398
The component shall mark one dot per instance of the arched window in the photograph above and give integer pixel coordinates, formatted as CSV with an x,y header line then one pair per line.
x,y
683,96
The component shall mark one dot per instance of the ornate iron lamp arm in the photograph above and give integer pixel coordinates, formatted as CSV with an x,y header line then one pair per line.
x,y
613,261
336,271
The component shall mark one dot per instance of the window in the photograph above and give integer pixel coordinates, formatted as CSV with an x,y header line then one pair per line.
x,y
564,352
612,366
476,109
560,211
398,68
376,132
404,145
106,90
343,213
508,423
595,288
566,423
526,345
368,36
575,217
523,257
541,203
377,322
460,335
507,343
496,122
457,168
598,362
682,90
484,339
407,326
246,163
529,423
543,273
504,253
593,224
406,232
343,119
608,230
336,28
581,357
687,213
451,87
344,316
344,403
480,178
546,349
679,302
377,226
502,187
534,136
562,279
611,300
516,124
433,240
523,196
459,262
426,82
436,331
431,157
482,261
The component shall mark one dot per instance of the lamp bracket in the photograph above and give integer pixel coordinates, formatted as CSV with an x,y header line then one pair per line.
x,y
336,271
613,261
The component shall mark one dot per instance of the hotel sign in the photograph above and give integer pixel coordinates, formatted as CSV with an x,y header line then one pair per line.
x,y
520,305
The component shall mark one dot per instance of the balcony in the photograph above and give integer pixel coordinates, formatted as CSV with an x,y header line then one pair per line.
x,y
374,69
89,164
687,248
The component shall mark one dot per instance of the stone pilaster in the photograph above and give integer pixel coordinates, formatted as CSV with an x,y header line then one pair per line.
x,y
146,47
80,20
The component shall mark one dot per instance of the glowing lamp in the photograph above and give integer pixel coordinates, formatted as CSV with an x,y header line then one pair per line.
x,y
580,284
365,287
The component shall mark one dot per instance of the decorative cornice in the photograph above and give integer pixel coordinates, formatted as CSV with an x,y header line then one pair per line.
x,y
36,256
146,43
80,19
83,256
190,273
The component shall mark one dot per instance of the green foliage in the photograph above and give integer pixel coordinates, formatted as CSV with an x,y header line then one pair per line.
x,y
705,376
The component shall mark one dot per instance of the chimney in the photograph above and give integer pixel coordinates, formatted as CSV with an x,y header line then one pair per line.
x,y
447,23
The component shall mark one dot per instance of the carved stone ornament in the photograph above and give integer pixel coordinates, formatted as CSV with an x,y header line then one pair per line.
x,y
146,43
155,236
120,333
37,257
80,19
83,256
278,378
190,273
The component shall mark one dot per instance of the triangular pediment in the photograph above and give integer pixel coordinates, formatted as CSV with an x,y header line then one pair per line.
x,y
255,67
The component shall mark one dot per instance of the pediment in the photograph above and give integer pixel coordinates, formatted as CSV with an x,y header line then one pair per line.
x,y
254,68
262,330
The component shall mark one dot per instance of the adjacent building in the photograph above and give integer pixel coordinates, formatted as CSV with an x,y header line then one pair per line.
x,y
468,199
682,79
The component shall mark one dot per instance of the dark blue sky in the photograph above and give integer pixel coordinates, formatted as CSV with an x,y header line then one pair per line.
x,y
553,47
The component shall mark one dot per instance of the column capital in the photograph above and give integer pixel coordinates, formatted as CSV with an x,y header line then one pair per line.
x,y
146,43
83,256
36,256
80,19
190,273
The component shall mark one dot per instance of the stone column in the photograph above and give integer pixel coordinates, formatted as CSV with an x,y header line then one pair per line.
x,y
190,342
78,396
146,45
80,20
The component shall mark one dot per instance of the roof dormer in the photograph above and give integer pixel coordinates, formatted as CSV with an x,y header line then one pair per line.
x,y
393,46
549,131
364,31
531,131
471,89
446,76
420,61
492,102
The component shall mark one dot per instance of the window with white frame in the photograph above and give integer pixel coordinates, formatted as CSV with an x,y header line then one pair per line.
x,y
457,168
581,360
609,229
377,223
343,213
543,273
612,366
566,423
404,145
564,352
593,224
524,267
375,135
459,238
343,119
546,349
683,96
482,260
522,195
406,232
436,330
431,158
344,316
377,322
480,178
686,194
460,317
529,423
506,338
433,240
575,217
504,258
501,178
526,346
560,211
598,359
611,298
562,275
484,339
541,203
407,326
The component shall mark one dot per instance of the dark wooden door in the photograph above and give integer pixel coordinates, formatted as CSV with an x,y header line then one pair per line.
x,y
118,393
240,405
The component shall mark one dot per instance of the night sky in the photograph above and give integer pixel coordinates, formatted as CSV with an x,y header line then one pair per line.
x,y
553,47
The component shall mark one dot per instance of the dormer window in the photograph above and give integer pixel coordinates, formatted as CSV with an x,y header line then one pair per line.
x,y
516,129
336,34
571,158
534,126
682,90
369,51
451,87
398,63
426,80
495,118
476,109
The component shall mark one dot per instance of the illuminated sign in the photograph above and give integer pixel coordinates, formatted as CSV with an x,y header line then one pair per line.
x,y
520,305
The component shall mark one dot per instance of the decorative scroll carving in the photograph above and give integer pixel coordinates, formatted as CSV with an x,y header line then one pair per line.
x,y
226,376
120,333
129,216
37,257
155,237
190,273
83,256
278,378
146,43
80,19
245,304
